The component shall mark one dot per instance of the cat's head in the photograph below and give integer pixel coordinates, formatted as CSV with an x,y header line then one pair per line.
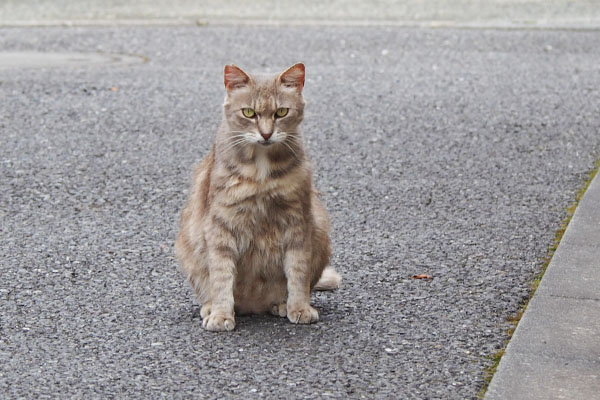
x,y
263,110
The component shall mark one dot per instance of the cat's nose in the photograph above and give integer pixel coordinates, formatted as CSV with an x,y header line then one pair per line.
x,y
266,136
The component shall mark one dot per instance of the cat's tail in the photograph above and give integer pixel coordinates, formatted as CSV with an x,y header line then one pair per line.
x,y
330,279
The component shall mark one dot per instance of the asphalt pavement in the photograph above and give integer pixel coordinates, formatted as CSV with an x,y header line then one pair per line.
x,y
448,152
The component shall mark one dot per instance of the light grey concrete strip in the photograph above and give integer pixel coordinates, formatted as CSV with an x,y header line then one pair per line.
x,y
555,350
578,276
544,378
583,14
560,328
574,24
575,268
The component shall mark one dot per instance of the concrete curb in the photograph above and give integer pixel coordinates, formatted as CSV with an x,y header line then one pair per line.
x,y
555,350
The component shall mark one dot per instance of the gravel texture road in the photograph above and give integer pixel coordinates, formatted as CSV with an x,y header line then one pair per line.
x,y
452,153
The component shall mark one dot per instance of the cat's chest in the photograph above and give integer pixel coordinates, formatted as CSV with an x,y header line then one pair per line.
x,y
258,197
254,209
263,209
259,224
268,206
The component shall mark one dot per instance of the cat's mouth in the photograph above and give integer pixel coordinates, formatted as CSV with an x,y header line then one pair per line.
x,y
266,142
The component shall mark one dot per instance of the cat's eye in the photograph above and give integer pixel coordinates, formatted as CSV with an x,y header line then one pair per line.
x,y
281,112
248,112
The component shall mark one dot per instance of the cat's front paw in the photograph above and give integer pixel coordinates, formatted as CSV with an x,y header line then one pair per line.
x,y
219,322
205,310
303,314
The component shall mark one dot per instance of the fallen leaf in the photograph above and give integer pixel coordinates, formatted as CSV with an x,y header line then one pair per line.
x,y
114,89
423,276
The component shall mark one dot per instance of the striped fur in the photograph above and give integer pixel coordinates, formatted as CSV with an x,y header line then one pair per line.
x,y
254,236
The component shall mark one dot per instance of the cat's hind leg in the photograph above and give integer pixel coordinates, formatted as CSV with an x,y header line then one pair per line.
x,y
279,310
329,280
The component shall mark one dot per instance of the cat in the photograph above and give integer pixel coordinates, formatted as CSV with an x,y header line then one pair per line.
x,y
254,236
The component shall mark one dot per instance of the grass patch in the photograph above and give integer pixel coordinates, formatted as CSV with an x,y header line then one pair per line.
x,y
513,320
489,372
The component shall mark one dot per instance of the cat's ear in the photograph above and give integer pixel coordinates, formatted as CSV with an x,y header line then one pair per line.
x,y
293,77
235,77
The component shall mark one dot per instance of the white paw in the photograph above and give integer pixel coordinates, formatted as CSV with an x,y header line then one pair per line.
x,y
304,314
219,322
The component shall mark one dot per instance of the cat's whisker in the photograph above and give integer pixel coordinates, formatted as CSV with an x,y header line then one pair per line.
x,y
236,136
295,135
235,140
230,145
293,139
290,147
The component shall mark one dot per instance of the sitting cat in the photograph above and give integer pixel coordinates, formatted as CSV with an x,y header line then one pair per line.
x,y
254,236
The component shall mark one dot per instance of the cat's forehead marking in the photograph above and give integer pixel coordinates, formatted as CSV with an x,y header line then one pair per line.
x,y
265,97
264,102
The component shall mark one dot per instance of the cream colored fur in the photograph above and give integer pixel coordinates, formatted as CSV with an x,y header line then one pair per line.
x,y
254,235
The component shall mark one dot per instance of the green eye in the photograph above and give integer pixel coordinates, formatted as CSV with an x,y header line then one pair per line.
x,y
281,112
248,112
